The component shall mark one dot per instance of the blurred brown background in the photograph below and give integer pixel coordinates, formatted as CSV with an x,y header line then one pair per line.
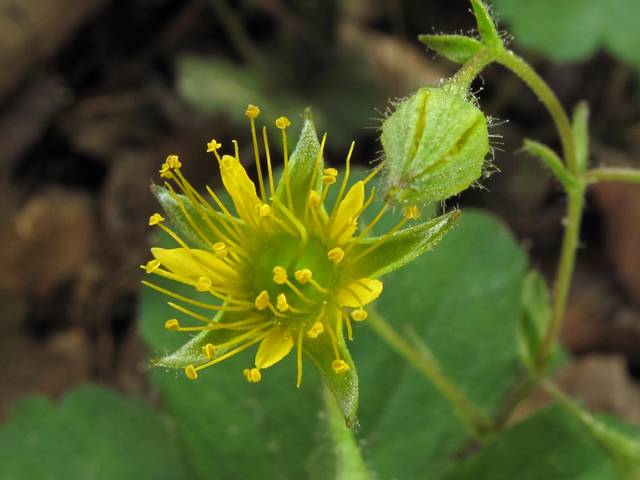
x,y
94,94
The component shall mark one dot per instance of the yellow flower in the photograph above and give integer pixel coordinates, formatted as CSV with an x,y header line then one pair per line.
x,y
286,270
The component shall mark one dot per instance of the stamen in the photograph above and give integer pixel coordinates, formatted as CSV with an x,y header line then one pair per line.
x,y
252,112
209,351
282,123
193,302
334,212
172,325
313,199
219,249
336,254
304,276
152,266
279,275
264,210
366,230
239,325
282,304
232,352
411,213
308,201
380,242
339,366
359,315
253,375
329,177
316,330
283,225
348,322
248,334
193,195
299,356
204,284
191,372
318,224
262,300
175,237
266,149
374,173
155,219
334,339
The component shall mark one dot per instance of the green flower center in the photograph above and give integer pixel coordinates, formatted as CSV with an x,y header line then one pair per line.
x,y
300,293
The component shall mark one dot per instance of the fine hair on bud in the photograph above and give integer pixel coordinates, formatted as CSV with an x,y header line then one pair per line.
x,y
435,144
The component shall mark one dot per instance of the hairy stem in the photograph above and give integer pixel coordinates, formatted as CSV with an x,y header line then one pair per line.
x,y
521,68
612,175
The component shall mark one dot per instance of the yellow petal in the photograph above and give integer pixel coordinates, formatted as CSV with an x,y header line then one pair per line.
x,y
242,190
274,347
360,292
346,215
194,264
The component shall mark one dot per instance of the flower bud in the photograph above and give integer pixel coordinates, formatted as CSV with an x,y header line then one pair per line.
x,y
435,144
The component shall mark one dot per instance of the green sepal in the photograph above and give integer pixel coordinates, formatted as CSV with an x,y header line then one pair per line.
x,y
172,208
457,48
191,352
535,316
301,167
486,25
580,129
401,248
344,386
552,160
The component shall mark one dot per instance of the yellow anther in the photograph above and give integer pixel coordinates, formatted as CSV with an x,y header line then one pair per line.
x,y
172,325
316,330
304,275
152,266
209,351
359,315
314,198
282,123
262,300
204,284
190,372
339,366
219,249
252,111
329,176
279,275
336,254
155,219
173,162
282,304
252,375
411,212
164,168
263,209
212,146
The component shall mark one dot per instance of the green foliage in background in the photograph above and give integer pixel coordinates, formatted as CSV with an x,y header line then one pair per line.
x,y
573,30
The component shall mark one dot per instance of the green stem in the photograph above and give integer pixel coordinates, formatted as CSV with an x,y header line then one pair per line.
x,y
521,68
516,395
565,272
612,175
477,423
472,68
350,465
